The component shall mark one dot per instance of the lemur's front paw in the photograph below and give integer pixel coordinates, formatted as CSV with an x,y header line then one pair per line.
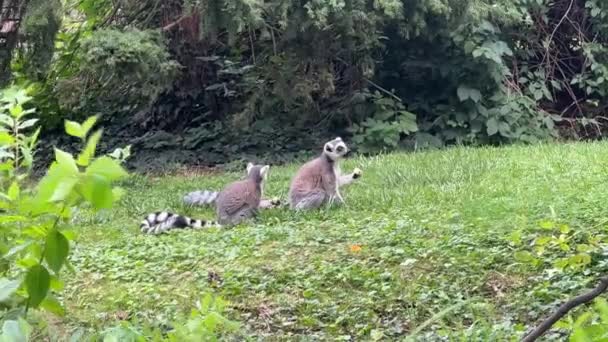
x,y
357,173
275,202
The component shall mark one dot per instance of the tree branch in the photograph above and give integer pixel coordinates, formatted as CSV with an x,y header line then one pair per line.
x,y
565,308
175,23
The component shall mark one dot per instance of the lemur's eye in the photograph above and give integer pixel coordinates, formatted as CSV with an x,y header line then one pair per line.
x,y
327,148
340,149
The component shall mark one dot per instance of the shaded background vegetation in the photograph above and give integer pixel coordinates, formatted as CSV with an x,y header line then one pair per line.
x,y
211,81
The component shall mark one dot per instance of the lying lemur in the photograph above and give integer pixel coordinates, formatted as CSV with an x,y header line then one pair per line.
x,y
237,202
319,180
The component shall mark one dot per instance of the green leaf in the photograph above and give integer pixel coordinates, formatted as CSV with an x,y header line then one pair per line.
x,y
46,188
523,256
27,123
63,189
101,191
8,288
546,224
34,138
108,168
464,93
66,161
56,283
492,126
117,193
16,331
16,111
6,139
89,151
26,155
13,95
74,129
37,282
56,250
51,304
376,335
13,191
88,124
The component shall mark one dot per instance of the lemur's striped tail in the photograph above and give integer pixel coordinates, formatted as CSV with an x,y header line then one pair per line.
x,y
161,222
205,197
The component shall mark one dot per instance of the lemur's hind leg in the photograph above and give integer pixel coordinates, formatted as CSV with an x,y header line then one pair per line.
x,y
238,217
312,200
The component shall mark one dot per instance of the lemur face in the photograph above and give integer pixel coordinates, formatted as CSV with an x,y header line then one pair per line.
x,y
335,149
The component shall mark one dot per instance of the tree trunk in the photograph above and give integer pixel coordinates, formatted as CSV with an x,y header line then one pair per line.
x,y
11,13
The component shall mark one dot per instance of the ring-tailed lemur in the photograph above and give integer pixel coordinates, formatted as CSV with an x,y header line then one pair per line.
x,y
319,180
208,197
238,201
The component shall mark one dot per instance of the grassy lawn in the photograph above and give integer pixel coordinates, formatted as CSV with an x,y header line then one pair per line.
x,y
444,229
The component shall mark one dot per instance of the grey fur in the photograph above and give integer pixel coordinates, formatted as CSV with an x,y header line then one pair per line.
x,y
208,197
318,181
201,198
238,201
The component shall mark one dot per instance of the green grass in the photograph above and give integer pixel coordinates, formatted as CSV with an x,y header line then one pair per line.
x,y
436,229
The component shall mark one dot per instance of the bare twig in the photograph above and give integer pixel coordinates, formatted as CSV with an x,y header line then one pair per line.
x,y
565,308
382,89
175,23
251,43
555,29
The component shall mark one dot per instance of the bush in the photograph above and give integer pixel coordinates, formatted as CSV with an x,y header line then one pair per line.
x,y
118,72
35,226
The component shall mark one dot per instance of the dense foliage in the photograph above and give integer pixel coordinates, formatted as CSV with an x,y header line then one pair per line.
x,y
202,82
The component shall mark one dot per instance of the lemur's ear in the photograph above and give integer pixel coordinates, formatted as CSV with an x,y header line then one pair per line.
x,y
264,170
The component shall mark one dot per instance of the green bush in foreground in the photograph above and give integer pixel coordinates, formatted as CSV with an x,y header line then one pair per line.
x,y
36,228
36,233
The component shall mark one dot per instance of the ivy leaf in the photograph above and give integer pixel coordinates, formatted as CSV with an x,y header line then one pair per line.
x,y
37,282
492,126
74,129
8,288
56,250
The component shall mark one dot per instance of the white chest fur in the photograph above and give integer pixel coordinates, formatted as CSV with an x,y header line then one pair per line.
x,y
337,173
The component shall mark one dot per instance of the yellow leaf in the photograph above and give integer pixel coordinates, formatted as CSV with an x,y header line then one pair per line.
x,y
355,248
